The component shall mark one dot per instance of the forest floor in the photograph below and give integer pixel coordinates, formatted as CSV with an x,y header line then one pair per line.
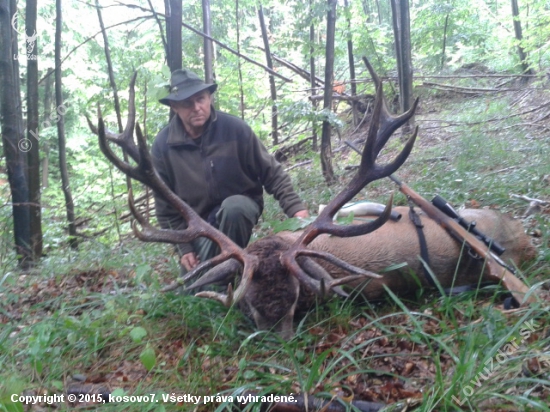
x,y
93,322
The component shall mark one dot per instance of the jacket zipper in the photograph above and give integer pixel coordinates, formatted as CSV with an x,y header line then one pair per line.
x,y
214,183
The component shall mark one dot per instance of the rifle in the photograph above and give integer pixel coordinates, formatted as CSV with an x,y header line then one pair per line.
x,y
497,270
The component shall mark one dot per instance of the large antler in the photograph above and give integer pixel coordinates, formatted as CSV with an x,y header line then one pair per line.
x,y
382,126
231,254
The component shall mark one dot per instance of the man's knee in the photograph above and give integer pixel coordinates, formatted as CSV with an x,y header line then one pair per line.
x,y
235,208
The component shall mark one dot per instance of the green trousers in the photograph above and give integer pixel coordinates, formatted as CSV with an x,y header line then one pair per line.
x,y
236,218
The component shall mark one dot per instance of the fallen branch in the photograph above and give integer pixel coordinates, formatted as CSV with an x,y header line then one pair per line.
x,y
450,76
336,96
535,205
298,165
506,169
530,199
296,69
464,90
282,153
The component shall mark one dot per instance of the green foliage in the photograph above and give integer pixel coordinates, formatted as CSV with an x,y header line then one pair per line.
x,y
148,358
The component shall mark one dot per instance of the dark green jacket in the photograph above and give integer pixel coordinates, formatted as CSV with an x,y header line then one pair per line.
x,y
229,160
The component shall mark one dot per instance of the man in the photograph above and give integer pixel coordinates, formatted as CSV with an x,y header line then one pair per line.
x,y
218,166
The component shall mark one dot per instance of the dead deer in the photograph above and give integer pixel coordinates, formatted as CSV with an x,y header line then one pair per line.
x,y
281,273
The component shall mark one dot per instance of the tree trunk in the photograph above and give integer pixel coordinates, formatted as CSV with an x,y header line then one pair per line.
x,y
312,82
167,17
32,131
12,136
47,109
173,13
239,68
208,46
444,42
351,62
402,34
269,61
173,33
326,150
69,204
519,37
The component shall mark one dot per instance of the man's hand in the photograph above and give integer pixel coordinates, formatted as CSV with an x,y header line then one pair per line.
x,y
189,261
301,213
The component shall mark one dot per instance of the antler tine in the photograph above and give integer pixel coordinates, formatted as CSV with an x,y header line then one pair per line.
x,y
145,172
234,297
316,271
128,134
216,272
125,140
215,275
382,126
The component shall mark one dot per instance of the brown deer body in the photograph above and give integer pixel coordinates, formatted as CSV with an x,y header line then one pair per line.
x,y
396,242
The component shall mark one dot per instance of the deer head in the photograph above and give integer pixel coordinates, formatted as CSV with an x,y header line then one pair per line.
x,y
295,258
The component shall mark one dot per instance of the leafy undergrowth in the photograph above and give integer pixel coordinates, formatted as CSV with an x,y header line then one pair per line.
x,y
94,322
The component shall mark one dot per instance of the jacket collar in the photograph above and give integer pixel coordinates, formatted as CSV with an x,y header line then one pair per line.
x,y
177,134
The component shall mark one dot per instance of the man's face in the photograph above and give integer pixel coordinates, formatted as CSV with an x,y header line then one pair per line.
x,y
194,112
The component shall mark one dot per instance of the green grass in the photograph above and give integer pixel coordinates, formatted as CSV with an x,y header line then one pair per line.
x,y
99,311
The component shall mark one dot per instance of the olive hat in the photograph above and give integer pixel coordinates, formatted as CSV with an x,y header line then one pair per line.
x,y
184,84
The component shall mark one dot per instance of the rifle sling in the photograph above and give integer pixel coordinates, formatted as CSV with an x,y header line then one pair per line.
x,y
415,219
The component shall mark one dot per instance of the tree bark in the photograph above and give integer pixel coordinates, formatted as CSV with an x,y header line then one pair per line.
x,y
239,66
12,136
269,61
173,33
402,35
33,157
208,46
69,204
351,62
326,150
47,109
173,12
519,37
312,78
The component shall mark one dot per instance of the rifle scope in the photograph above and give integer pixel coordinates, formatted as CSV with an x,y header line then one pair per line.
x,y
446,208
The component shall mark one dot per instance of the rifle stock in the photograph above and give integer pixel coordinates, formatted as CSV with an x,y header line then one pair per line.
x,y
495,271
